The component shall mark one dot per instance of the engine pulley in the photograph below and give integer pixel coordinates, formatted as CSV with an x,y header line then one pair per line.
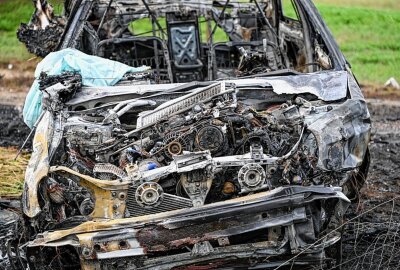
x,y
251,177
175,144
149,194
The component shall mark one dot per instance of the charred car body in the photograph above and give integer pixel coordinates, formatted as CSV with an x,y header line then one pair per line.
x,y
228,154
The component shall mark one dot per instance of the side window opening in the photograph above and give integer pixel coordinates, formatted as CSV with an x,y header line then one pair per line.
x,y
219,34
289,10
144,27
299,57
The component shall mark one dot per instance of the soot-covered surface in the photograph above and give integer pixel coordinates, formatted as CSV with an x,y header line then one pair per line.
x,y
13,130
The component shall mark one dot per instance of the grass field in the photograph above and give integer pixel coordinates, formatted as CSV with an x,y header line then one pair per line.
x,y
11,13
368,32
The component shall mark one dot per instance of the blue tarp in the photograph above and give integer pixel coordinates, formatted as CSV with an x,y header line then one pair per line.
x,y
95,71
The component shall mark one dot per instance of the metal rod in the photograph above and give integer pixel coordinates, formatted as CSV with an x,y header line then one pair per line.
x,y
29,135
104,16
154,18
219,18
155,46
210,42
265,18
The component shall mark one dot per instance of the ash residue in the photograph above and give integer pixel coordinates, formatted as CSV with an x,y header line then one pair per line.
x,y
384,176
13,130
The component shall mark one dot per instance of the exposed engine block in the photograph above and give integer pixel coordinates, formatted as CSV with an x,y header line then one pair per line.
x,y
197,149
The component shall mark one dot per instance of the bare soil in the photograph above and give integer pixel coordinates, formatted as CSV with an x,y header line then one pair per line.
x,y
15,80
13,130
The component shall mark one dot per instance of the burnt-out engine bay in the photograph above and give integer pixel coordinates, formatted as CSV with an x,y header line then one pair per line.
x,y
209,145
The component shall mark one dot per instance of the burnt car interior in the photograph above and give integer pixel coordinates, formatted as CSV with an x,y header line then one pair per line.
x,y
240,143
194,41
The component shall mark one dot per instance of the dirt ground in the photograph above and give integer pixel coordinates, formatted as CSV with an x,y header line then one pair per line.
x,y
15,79
372,229
372,233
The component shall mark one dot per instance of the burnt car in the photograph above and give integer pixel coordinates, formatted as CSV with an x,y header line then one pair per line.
x,y
241,147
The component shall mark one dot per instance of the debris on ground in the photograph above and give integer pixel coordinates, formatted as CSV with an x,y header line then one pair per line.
x,y
392,83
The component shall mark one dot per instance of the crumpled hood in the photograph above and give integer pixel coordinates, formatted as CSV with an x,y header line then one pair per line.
x,y
327,85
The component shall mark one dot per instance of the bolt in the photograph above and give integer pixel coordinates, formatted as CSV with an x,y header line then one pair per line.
x,y
122,196
85,251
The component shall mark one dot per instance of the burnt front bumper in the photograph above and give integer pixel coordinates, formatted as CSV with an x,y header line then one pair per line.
x,y
259,230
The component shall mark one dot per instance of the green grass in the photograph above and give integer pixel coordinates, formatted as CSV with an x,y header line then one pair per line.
x,y
374,4
370,39
368,32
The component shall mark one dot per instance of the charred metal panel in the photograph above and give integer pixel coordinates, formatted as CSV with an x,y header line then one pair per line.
x,y
201,230
343,135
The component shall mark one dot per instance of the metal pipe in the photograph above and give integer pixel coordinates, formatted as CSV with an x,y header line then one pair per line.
x,y
136,103
155,45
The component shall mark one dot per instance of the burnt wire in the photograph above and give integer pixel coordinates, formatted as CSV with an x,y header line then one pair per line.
x,y
372,248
